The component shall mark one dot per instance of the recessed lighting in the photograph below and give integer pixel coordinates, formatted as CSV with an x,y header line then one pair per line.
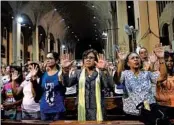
x,y
94,17
129,7
12,17
29,27
95,24
68,27
40,34
78,40
55,9
93,6
72,32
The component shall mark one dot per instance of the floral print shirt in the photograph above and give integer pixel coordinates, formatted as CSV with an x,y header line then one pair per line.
x,y
137,89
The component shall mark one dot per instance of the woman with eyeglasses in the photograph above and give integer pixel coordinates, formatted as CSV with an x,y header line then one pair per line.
x,y
30,109
165,90
51,91
91,80
138,99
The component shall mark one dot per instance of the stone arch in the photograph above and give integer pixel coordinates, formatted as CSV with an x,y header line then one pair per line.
x,y
52,41
26,30
165,34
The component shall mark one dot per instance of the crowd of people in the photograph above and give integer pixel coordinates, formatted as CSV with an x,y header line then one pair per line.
x,y
39,90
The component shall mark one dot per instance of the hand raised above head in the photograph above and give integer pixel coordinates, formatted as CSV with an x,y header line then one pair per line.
x,y
122,55
152,58
159,50
65,61
102,63
34,70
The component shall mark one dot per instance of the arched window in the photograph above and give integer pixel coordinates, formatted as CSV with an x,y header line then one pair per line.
x,y
5,33
165,35
2,51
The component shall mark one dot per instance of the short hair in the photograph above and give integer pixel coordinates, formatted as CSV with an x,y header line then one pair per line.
x,y
126,67
55,55
90,51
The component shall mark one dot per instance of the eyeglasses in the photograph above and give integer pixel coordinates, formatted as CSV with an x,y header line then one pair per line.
x,y
89,57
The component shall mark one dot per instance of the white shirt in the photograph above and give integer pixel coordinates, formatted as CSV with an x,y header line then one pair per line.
x,y
28,103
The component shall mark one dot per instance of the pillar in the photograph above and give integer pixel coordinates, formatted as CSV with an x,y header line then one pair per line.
x,y
16,37
35,44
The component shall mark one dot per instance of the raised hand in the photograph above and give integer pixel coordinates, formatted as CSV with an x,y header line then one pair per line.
x,y
152,58
159,50
102,63
34,70
66,61
122,55
15,75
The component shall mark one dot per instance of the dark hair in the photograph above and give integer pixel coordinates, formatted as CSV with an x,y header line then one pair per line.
x,y
126,67
90,51
19,69
56,57
168,54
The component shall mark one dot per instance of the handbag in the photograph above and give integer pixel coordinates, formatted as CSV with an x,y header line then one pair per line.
x,y
154,116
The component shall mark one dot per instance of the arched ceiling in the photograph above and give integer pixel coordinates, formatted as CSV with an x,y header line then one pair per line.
x,y
83,21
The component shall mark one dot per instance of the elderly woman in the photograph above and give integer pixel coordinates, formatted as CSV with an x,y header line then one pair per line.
x,y
138,87
165,90
90,81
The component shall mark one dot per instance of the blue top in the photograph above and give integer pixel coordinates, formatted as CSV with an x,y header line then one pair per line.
x,y
52,100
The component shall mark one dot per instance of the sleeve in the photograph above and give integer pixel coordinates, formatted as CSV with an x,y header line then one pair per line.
x,y
107,80
154,76
22,84
72,79
122,78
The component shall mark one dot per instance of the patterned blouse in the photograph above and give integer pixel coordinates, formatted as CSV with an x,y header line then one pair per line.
x,y
137,89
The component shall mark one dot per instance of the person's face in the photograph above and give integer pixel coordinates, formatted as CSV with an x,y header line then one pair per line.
x,y
143,54
29,68
134,61
169,63
89,60
50,60
7,69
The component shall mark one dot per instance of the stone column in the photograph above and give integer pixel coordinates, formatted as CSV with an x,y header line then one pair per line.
x,y
35,44
16,37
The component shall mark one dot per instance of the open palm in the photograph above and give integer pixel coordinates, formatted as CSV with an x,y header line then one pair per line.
x,y
66,61
159,50
102,63
34,70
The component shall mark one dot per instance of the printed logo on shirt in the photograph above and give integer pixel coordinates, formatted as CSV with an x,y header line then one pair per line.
x,y
49,87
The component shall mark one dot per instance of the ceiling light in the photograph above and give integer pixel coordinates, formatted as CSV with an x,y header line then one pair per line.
x,y
129,7
40,34
78,40
19,19
95,24
93,6
29,27
94,17
12,17
55,9
72,32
